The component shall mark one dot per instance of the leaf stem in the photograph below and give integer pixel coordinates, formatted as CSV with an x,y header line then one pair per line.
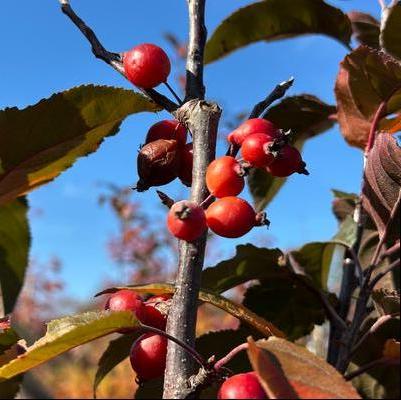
x,y
227,358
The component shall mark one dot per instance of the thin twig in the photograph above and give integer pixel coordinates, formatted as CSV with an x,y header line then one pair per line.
x,y
166,200
367,367
112,59
277,93
227,358
395,264
372,330
395,248
195,88
196,356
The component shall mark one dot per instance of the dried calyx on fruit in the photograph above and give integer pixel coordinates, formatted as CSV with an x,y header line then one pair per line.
x,y
258,149
169,129
146,65
158,164
225,177
287,161
186,220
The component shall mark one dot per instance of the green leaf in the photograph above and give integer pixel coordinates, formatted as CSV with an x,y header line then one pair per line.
x,y
366,29
310,376
41,141
307,117
236,310
66,333
117,351
343,204
347,232
315,258
15,240
249,263
367,77
271,20
391,33
286,302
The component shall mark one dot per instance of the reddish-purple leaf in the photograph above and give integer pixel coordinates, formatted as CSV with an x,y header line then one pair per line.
x,y
383,182
367,77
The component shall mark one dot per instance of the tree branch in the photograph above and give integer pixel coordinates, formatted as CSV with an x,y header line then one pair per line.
x,y
395,264
367,367
112,59
202,119
196,46
277,93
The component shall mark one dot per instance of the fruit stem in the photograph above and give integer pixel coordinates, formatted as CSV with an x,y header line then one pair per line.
x,y
205,203
180,102
196,356
227,358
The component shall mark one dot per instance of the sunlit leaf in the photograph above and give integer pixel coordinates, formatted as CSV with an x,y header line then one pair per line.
x,y
391,32
41,141
15,240
237,310
310,376
271,20
306,116
366,78
66,333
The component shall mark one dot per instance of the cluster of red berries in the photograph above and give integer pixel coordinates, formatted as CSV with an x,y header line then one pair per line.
x,y
264,146
165,155
148,353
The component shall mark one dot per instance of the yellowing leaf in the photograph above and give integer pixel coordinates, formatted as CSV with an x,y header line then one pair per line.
x,y
237,310
66,333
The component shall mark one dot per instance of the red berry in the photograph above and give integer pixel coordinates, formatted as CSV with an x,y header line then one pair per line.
x,y
288,161
223,177
169,129
255,149
148,356
242,386
186,163
125,300
186,220
251,126
146,65
230,217
155,311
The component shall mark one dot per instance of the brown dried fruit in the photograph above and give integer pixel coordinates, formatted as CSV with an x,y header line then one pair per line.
x,y
158,164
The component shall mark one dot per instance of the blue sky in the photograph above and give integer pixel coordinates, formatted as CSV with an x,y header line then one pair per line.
x,y
43,53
